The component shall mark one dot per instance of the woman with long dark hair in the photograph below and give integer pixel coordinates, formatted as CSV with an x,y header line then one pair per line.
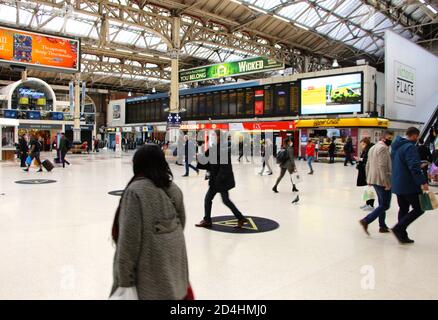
x,y
148,231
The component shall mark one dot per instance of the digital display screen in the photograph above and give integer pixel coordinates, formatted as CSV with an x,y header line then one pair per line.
x,y
39,50
332,94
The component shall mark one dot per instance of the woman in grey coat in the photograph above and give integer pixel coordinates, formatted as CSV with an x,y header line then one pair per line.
x,y
148,231
287,165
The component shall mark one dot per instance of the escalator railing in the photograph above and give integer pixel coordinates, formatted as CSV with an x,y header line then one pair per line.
x,y
430,129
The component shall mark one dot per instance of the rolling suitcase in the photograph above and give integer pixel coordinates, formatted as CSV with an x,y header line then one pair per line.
x,y
47,165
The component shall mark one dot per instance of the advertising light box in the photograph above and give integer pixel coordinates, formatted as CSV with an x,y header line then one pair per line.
x,y
18,47
332,94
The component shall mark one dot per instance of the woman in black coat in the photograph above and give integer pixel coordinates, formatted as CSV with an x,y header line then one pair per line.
x,y
221,181
23,150
361,167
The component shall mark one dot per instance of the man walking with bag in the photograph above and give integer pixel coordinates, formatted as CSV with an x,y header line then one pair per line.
x,y
378,173
408,182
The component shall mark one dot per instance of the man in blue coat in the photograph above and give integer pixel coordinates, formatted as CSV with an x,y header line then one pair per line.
x,y
408,182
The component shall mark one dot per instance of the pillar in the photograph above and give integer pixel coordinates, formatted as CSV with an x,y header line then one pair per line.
x,y
77,111
174,78
24,75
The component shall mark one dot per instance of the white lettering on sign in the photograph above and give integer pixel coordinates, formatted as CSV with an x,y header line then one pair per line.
x,y
404,84
250,66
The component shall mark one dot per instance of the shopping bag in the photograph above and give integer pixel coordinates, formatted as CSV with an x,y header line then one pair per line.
x,y
29,160
125,294
296,178
368,194
428,201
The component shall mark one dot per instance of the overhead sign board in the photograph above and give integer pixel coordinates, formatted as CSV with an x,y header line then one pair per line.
x,y
228,69
39,50
404,84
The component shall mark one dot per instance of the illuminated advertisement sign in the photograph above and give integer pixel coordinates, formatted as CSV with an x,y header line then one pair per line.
x,y
332,94
228,69
18,47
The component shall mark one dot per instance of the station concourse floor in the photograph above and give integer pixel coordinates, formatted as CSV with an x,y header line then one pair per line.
x,y
55,238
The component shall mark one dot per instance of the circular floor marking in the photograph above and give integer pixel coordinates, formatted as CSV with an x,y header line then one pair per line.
x,y
117,193
254,225
35,181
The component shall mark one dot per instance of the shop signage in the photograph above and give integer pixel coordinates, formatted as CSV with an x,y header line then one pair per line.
x,y
404,84
40,126
39,50
109,130
69,127
228,69
127,129
350,122
243,126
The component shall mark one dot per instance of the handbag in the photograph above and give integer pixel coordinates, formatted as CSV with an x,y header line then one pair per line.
x,y
368,194
428,201
29,160
124,294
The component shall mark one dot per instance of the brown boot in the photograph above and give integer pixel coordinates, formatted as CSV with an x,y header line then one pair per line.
x,y
364,226
241,222
204,224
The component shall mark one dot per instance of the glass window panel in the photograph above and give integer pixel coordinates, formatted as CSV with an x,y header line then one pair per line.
x,y
224,103
232,103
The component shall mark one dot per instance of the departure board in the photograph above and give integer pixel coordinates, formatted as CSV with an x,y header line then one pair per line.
x,y
294,98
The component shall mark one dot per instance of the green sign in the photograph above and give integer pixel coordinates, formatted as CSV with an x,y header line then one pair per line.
x,y
228,69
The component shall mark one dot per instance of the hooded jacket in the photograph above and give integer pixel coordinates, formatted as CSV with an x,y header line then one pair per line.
x,y
407,176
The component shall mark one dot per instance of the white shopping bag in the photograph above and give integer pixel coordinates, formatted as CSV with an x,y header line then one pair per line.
x,y
296,178
125,294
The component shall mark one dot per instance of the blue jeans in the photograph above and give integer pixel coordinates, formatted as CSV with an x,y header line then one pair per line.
x,y
384,198
309,162
189,165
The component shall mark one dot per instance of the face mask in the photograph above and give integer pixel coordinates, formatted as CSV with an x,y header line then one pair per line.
x,y
388,142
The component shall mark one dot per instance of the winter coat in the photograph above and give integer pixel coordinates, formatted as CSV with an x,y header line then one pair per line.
x,y
332,149
289,164
151,252
407,176
361,167
22,145
221,174
189,151
348,148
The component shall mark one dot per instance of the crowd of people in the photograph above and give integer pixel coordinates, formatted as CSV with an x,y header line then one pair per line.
x,y
148,226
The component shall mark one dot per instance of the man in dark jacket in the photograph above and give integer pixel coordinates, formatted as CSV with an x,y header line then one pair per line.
x,y
332,150
189,155
348,150
407,182
221,181
23,150
64,146
425,156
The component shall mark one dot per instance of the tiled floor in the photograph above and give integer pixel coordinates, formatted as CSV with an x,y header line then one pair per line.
x,y
55,238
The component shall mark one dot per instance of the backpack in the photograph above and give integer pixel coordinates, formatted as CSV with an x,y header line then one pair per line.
x,y
282,156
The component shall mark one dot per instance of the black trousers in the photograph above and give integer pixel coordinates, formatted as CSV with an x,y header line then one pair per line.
x,y
332,158
23,156
63,161
208,203
406,217
348,158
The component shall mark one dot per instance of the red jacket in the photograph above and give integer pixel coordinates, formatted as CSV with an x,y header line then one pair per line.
x,y
310,150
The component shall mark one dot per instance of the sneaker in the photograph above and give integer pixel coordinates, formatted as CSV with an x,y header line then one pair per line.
x,y
269,174
368,208
363,207
275,189
185,175
294,189
364,226
41,170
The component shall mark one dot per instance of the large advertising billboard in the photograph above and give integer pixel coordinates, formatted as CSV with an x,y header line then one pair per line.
x,y
18,47
332,94
228,69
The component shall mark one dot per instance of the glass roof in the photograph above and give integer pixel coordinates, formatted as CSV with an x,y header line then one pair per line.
x,y
351,21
